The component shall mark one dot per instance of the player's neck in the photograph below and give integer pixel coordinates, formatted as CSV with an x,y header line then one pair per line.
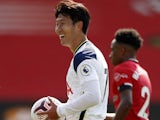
x,y
78,44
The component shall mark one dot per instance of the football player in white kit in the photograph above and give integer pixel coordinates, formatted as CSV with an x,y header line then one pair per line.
x,y
87,77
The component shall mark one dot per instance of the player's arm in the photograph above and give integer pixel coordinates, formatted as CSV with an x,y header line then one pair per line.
x,y
91,90
125,103
90,98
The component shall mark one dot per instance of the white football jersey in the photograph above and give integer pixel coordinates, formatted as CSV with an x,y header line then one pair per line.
x,y
87,85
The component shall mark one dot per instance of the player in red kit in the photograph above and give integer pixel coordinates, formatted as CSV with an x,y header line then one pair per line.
x,y
131,87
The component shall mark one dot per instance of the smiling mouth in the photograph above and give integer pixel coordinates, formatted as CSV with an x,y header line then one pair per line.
x,y
61,36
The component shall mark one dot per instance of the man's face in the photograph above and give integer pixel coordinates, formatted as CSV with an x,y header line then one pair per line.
x,y
116,54
65,29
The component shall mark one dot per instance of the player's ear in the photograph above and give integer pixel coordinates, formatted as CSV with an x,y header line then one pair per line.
x,y
123,51
79,25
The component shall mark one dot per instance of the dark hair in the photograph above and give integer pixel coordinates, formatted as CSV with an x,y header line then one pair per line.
x,y
129,36
76,11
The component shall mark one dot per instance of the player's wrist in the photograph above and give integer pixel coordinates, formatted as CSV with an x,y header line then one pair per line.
x,y
60,110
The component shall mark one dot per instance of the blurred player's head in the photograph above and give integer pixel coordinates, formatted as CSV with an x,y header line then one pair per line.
x,y
125,45
76,11
130,37
17,113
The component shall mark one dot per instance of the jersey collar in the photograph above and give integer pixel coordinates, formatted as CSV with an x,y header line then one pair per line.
x,y
133,59
80,46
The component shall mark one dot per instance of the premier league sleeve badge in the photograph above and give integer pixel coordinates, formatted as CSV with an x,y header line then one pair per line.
x,y
85,70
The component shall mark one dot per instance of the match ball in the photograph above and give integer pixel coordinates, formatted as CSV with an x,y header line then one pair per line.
x,y
43,104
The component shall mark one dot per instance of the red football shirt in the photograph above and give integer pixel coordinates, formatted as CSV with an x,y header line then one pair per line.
x,y
130,73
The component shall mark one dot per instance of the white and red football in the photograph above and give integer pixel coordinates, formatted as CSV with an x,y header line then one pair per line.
x,y
41,105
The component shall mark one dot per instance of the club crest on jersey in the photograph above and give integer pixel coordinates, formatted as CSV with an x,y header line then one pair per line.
x,y
85,70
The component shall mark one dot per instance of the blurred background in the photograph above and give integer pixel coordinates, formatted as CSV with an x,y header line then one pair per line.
x,y
33,64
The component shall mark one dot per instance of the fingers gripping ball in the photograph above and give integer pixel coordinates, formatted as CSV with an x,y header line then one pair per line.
x,y
43,104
